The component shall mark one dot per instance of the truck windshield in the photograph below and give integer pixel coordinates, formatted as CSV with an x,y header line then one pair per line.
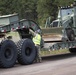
x,y
66,12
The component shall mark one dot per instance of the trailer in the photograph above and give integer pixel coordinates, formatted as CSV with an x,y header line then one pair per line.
x,y
20,49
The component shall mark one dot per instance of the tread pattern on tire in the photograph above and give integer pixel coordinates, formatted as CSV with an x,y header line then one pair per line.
x,y
19,45
19,48
69,32
14,58
72,50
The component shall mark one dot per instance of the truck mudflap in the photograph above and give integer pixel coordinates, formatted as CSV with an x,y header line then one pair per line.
x,y
63,45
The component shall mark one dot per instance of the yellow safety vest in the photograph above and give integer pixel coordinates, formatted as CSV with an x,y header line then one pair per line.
x,y
37,39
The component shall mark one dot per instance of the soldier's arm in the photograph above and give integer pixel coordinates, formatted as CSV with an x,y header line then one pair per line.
x,y
32,32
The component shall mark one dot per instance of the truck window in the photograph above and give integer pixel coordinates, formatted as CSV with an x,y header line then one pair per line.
x,y
55,24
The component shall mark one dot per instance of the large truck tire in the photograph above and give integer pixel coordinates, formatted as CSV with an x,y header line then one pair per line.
x,y
8,54
70,35
26,51
72,50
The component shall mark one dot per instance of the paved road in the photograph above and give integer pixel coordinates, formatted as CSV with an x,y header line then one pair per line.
x,y
55,65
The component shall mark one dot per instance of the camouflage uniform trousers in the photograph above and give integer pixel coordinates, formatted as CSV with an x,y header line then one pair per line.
x,y
38,57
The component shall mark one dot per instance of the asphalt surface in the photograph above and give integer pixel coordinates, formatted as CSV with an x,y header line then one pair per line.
x,y
64,64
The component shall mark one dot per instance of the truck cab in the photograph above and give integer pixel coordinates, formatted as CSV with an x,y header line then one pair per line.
x,y
66,20
55,23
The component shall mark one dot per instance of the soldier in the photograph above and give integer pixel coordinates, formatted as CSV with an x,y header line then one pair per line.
x,y
37,40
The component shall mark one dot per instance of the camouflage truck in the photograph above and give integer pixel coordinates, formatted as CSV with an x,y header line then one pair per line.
x,y
15,41
65,24
65,31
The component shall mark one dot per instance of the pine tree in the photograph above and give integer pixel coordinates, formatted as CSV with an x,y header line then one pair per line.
x,y
45,9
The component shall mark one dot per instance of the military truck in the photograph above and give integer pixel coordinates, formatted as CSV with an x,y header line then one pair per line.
x,y
67,29
16,48
63,14
65,24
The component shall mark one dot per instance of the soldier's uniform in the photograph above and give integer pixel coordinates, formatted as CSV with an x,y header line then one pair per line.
x,y
37,40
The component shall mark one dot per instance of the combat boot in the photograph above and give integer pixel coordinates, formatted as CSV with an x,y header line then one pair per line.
x,y
40,60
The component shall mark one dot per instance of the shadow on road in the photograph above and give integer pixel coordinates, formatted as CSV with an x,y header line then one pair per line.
x,y
58,57
45,59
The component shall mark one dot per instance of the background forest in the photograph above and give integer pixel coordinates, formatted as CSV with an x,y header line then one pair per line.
x,y
38,10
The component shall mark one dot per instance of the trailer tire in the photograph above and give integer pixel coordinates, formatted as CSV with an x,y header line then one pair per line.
x,y
70,35
26,51
8,54
72,50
